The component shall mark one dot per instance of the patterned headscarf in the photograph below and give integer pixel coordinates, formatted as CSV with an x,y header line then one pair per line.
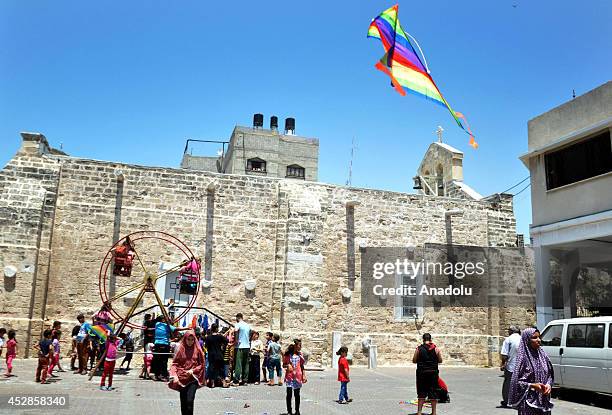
x,y
532,366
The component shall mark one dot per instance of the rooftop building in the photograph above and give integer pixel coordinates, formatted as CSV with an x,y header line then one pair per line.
x,y
263,152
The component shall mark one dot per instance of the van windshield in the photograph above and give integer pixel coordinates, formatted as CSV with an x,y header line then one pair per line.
x,y
552,335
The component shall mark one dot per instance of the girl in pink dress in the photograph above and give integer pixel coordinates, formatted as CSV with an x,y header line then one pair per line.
x,y
148,358
293,363
192,268
11,352
112,344
57,334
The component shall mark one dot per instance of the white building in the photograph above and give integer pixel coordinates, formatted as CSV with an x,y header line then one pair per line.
x,y
570,160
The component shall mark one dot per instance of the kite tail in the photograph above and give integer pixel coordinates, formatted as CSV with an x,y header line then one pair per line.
x,y
473,142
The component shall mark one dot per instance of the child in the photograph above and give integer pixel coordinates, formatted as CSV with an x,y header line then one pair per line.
x,y
93,346
57,325
45,354
257,349
2,333
174,343
82,345
11,352
274,362
148,358
55,336
294,376
128,345
266,359
73,347
228,357
343,375
112,343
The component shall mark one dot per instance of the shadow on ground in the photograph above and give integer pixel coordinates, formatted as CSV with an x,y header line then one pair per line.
x,y
585,398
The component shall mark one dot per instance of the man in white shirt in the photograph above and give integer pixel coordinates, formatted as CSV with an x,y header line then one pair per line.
x,y
508,358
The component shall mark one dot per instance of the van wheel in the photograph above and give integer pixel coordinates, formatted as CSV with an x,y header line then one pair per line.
x,y
556,393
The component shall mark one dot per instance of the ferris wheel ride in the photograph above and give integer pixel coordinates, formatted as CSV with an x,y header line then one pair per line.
x,y
140,265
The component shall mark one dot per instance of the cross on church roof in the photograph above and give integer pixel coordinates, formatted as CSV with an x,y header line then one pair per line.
x,y
439,132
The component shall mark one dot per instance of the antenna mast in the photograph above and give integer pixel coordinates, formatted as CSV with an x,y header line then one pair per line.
x,y
349,182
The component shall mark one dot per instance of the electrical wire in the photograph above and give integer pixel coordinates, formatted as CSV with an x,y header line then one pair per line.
x,y
521,191
510,188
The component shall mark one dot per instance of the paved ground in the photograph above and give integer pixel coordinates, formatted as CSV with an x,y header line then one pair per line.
x,y
384,391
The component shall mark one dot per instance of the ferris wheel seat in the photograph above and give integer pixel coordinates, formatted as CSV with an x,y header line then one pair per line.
x,y
122,270
123,264
188,277
189,288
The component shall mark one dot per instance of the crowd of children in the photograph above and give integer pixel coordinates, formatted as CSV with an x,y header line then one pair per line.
x,y
86,349
265,359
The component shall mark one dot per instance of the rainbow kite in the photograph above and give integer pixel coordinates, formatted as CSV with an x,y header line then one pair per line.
x,y
100,331
404,66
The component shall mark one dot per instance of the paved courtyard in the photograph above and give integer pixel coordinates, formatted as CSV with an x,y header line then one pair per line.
x,y
384,391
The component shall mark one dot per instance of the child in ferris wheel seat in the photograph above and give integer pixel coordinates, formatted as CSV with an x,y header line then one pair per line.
x,y
190,271
124,256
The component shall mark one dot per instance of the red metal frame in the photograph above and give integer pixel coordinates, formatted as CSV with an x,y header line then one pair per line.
x,y
136,236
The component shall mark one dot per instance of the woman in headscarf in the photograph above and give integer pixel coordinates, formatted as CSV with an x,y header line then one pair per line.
x,y
187,371
532,378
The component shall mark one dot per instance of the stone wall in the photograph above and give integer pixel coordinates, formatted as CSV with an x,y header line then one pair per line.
x,y
28,190
454,191
59,214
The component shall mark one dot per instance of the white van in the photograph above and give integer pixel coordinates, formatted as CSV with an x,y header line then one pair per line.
x,y
580,350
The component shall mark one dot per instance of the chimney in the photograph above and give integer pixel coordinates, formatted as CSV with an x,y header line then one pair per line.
x,y
258,120
274,123
290,126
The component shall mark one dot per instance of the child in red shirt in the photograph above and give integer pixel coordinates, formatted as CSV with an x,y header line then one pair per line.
x,y
343,375
11,352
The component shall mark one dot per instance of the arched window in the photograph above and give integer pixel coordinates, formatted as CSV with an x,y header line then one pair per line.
x,y
296,172
256,165
439,170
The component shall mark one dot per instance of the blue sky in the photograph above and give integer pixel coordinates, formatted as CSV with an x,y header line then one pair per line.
x,y
131,81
